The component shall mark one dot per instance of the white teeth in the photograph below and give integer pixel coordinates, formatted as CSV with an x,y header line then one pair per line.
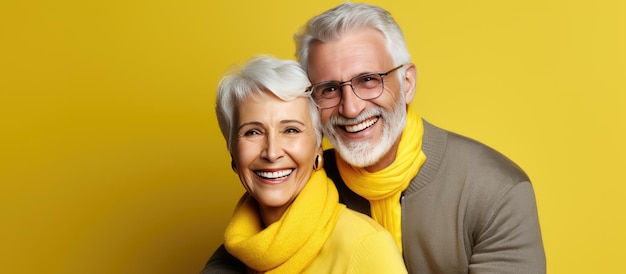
x,y
274,174
361,126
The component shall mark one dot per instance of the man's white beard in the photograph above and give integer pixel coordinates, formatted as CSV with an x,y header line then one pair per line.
x,y
368,152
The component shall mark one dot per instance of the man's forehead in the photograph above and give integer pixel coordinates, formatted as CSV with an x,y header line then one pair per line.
x,y
353,54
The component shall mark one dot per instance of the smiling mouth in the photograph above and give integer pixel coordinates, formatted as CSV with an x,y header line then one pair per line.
x,y
274,174
361,126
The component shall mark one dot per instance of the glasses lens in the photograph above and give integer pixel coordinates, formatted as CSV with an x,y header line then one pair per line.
x,y
327,94
368,86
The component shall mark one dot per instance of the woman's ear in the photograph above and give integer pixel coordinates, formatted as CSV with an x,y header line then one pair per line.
x,y
318,163
232,164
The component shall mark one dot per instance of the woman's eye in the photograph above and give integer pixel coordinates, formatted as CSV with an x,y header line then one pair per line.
x,y
292,130
251,133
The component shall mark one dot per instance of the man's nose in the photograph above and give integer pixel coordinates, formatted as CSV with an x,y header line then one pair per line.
x,y
350,105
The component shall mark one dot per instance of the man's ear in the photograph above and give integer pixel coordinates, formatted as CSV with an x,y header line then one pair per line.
x,y
410,81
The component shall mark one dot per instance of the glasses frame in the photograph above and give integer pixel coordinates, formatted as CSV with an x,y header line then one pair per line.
x,y
349,82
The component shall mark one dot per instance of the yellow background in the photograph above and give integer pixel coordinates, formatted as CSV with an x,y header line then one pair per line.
x,y
111,160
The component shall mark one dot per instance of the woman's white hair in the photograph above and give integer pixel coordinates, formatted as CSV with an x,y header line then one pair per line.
x,y
348,17
261,74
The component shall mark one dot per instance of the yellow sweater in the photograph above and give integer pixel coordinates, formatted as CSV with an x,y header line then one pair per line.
x,y
358,244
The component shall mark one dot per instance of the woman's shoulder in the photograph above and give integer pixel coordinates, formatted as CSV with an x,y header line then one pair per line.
x,y
358,222
354,228
359,244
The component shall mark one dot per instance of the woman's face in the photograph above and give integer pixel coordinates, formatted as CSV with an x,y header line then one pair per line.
x,y
274,149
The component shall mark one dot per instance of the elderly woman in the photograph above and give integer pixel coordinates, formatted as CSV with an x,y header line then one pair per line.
x,y
289,220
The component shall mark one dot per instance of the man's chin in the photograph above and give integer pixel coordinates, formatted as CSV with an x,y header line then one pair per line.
x,y
361,156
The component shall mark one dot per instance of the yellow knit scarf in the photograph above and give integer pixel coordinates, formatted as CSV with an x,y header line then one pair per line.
x,y
383,188
291,243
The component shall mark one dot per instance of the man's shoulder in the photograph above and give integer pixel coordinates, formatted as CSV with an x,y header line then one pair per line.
x,y
475,157
469,168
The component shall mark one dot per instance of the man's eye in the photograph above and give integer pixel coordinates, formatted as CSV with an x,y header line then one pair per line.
x,y
367,79
328,91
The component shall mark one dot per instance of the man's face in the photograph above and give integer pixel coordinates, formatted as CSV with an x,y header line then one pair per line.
x,y
364,132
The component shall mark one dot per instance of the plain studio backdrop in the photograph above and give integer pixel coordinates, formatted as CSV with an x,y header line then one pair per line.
x,y
111,160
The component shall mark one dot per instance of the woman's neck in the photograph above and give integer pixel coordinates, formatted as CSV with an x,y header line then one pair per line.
x,y
270,215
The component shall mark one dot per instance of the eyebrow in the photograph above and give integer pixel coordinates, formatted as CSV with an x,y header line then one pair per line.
x,y
339,81
282,122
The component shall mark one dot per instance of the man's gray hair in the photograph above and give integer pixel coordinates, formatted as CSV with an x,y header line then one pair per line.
x,y
348,17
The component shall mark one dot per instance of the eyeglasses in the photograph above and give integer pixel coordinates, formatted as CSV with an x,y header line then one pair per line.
x,y
366,86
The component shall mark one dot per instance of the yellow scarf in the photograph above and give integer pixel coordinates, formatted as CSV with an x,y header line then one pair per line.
x,y
383,188
291,243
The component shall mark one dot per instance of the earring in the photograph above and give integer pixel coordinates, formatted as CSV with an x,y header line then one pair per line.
x,y
319,162
232,165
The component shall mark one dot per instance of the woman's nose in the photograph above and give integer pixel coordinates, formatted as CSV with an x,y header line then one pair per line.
x,y
273,149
